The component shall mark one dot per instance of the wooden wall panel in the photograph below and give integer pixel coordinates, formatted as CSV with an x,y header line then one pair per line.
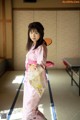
x,y
8,20
79,36
6,29
0,10
43,4
8,10
1,39
1,29
8,40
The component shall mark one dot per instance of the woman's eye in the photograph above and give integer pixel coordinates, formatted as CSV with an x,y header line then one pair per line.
x,y
36,32
31,32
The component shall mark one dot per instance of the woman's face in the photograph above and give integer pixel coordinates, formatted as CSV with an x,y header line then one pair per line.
x,y
34,35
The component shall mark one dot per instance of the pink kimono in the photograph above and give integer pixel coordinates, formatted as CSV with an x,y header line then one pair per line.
x,y
31,98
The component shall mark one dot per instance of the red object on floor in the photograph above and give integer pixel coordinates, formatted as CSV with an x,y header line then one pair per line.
x,y
49,64
65,63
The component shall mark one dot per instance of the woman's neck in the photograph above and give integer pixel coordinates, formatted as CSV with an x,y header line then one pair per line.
x,y
34,43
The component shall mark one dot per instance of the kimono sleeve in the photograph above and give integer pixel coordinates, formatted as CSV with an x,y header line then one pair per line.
x,y
42,55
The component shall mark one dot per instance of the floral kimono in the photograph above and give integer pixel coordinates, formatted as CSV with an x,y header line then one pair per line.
x,y
31,98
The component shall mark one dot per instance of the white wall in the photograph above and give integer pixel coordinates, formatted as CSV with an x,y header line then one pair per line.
x,y
61,26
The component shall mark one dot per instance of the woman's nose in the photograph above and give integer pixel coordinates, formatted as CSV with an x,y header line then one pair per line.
x,y
33,34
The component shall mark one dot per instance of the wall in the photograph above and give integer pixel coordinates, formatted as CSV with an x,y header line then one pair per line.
x,y
61,26
68,36
79,36
61,22
49,4
6,29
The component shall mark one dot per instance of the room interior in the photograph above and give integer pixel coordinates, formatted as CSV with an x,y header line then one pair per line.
x,y
61,20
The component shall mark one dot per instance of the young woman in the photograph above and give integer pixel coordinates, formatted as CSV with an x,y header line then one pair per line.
x,y
36,56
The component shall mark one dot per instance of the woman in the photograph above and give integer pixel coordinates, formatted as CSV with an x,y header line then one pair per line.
x,y
36,56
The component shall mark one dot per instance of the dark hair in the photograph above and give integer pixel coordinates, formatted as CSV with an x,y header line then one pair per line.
x,y
39,27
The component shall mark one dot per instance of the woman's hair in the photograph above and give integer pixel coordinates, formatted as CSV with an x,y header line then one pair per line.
x,y
39,27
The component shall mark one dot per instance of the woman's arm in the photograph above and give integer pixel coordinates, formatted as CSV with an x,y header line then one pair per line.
x,y
41,55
